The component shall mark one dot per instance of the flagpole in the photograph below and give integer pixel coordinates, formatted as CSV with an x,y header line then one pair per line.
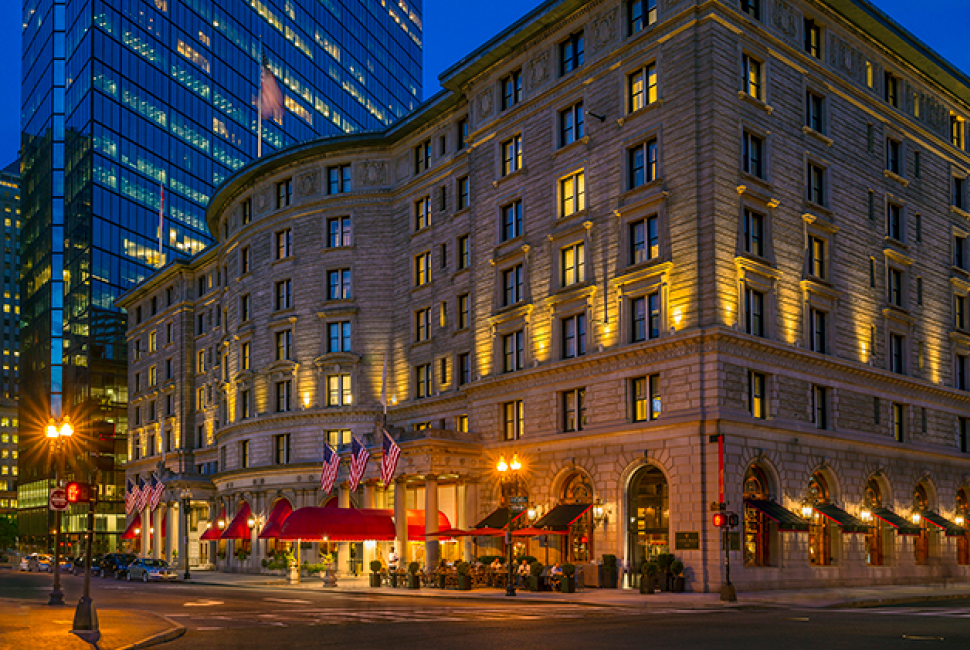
x,y
259,104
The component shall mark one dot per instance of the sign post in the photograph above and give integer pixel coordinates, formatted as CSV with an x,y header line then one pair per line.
x,y
58,499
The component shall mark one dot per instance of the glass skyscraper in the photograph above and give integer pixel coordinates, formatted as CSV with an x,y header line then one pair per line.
x,y
122,98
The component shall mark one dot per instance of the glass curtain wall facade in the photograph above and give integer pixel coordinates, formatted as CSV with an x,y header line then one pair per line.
x,y
9,335
124,97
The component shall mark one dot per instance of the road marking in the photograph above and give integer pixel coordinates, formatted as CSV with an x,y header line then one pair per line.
x,y
921,637
202,603
288,600
207,629
800,618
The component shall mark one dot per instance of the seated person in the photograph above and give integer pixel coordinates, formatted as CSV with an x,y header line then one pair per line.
x,y
555,576
523,573
496,564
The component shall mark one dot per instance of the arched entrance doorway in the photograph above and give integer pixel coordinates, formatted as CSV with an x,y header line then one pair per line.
x,y
963,541
875,533
578,490
756,524
819,535
921,546
648,502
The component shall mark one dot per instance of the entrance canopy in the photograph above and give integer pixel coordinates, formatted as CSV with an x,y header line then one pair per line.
x,y
563,516
536,532
498,519
238,528
902,526
212,532
280,512
848,523
951,528
787,520
353,525
130,530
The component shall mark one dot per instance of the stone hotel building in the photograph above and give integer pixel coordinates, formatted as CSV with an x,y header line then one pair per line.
x,y
667,253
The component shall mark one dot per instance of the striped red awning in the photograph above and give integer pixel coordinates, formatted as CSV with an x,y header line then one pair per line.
x,y
213,531
238,528
281,510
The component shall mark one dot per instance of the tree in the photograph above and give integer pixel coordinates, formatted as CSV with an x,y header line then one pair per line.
x,y
8,531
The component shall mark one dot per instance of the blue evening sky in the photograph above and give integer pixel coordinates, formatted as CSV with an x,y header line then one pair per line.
x,y
453,29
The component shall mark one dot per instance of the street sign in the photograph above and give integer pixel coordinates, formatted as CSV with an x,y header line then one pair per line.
x,y
518,507
518,499
58,499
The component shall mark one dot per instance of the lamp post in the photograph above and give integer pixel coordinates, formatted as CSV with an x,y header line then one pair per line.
x,y
55,433
509,476
186,495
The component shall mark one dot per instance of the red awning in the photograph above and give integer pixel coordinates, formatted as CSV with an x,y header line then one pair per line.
x,y
238,528
451,532
281,510
130,530
213,531
416,524
338,525
487,532
535,532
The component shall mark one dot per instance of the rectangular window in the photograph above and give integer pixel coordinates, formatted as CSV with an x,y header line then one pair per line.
x,y
463,313
964,434
284,390
338,284
893,156
753,150
572,194
514,419
464,368
511,90
245,404
573,336
282,446
640,15
891,89
244,260
757,404
960,192
422,157
244,355
283,295
899,422
820,407
644,240
512,285
752,77
817,330
572,260
896,287
752,8
284,193
754,312
462,133
656,400
513,351
244,453
152,376
817,260
813,39
754,233
958,132
338,232
464,252
645,313
338,337
894,221
338,179
571,124
571,53
247,211
283,243
641,400
574,409
642,88
959,251
337,438
338,390
422,324
512,155
200,361
152,341
897,353
642,164
284,342
813,112
961,372
422,269
422,213
464,193
511,226
816,184
422,378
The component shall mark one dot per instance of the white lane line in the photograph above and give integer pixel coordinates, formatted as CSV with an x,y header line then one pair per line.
x,y
288,600
207,629
202,603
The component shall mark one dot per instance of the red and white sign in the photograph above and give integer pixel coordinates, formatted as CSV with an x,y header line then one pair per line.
x,y
58,499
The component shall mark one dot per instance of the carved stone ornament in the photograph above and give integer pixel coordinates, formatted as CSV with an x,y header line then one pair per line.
x,y
373,173
783,18
485,103
604,29
262,200
307,183
539,69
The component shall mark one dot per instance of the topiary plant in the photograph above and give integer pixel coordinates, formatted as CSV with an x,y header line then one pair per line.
x,y
535,569
649,569
677,567
569,570
413,568
376,566
463,568
664,560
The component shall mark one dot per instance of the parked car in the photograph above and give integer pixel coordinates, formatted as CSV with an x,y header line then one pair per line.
x,y
95,565
116,564
66,564
40,562
146,569
25,563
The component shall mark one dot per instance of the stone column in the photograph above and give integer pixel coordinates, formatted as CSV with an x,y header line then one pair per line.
x,y
343,548
146,531
259,545
370,489
157,518
213,545
469,507
401,520
172,532
430,521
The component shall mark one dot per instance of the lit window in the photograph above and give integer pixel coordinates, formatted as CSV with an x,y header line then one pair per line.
x,y
572,194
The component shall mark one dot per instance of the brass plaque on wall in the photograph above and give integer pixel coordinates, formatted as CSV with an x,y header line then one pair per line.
x,y
687,541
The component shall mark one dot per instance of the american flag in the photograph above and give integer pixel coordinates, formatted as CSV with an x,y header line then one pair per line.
x,y
331,461
157,487
270,95
131,496
143,494
389,460
358,462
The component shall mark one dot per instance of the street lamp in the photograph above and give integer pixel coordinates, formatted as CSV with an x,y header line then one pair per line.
x,y
509,476
55,433
186,495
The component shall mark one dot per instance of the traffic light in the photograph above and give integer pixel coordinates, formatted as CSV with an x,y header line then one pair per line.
x,y
720,519
733,520
78,492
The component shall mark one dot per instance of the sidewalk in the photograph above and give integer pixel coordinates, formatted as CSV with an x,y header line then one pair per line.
x,y
813,598
42,627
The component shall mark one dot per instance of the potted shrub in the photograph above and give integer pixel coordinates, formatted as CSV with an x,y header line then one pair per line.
x,y
535,573
464,578
664,560
677,570
375,573
414,581
608,572
648,577
242,555
221,555
568,583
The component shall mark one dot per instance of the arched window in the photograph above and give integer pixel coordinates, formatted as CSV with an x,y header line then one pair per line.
x,y
819,535
756,540
875,534
577,489
963,541
648,516
921,547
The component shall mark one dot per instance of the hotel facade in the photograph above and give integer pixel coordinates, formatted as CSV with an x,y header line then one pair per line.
x,y
669,255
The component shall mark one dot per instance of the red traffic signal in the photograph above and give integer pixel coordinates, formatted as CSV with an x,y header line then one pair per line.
x,y
733,520
720,519
78,492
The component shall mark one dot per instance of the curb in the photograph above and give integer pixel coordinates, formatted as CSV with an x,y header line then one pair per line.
x,y
879,602
162,637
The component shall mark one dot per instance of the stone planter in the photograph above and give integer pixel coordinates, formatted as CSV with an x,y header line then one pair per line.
x,y
440,579
329,578
293,575
534,583
568,584
464,582
414,581
375,580
648,584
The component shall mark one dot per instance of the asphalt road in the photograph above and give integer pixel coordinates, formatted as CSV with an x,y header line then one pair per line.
x,y
241,618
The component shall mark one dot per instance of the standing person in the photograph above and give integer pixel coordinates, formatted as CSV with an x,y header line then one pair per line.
x,y
392,560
